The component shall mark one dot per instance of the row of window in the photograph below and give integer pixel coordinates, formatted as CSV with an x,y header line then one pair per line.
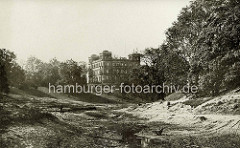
x,y
123,71
97,65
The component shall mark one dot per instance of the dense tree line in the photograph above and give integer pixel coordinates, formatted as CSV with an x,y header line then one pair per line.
x,y
202,48
36,73
40,73
207,34
159,66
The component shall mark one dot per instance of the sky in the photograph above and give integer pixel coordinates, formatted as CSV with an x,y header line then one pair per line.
x,y
75,29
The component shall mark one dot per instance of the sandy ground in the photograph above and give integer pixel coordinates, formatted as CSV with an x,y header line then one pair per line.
x,y
206,119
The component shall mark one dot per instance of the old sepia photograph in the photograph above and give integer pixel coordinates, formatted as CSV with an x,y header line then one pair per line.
x,y
120,73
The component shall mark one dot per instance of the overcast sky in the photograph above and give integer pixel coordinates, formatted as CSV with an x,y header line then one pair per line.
x,y
76,29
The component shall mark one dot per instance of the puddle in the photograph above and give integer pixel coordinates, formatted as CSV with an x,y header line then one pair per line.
x,y
134,138
130,138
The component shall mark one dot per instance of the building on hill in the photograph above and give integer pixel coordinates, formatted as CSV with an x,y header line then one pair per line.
x,y
105,69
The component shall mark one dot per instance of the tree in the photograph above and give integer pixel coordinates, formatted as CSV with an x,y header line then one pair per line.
x,y
50,72
11,74
206,34
16,76
72,72
4,86
161,66
34,72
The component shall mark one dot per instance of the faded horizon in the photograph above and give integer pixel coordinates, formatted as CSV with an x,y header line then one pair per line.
x,y
77,29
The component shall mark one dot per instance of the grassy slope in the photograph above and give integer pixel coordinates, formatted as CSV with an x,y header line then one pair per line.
x,y
84,97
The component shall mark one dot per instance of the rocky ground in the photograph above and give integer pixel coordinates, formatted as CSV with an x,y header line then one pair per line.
x,y
37,119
